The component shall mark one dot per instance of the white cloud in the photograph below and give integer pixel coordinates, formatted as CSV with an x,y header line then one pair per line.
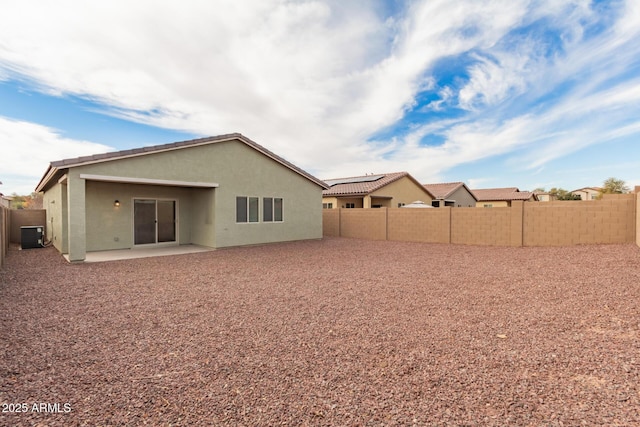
x,y
313,80
491,81
28,148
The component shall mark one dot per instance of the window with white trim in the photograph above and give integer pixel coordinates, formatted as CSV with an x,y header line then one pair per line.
x,y
272,209
246,209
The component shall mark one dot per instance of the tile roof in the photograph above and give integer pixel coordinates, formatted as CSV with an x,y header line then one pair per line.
x,y
508,193
115,155
444,189
588,188
360,185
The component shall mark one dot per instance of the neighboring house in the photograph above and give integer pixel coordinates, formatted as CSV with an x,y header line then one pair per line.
x,y
217,192
5,200
543,196
389,190
501,197
454,194
587,193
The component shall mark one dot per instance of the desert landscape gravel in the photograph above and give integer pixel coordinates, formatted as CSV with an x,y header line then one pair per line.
x,y
334,332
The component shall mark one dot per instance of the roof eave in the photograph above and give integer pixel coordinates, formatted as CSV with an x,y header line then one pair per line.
x,y
49,173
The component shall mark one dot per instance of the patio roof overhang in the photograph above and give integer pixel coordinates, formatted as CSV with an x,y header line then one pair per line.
x,y
148,181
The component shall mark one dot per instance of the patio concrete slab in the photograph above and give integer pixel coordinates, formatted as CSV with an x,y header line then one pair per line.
x,y
101,256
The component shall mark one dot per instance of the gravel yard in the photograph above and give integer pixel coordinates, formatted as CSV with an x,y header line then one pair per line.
x,y
334,332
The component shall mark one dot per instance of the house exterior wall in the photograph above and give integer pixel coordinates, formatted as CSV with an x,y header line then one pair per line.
x,y
206,216
54,202
202,216
76,216
403,190
340,202
332,200
110,227
586,194
494,203
377,202
463,198
253,174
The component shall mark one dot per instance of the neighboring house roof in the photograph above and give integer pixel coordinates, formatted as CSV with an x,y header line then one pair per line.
x,y
586,189
508,193
445,189
115,155
363,185
5,200
544,195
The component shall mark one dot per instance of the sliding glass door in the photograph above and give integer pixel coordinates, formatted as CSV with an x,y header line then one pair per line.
x,y
154,221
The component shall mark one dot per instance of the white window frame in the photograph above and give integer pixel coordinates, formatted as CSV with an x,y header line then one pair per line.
x,y
273,209
248,210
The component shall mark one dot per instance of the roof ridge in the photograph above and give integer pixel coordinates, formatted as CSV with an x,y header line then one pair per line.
x,y
445,183
362,176
144,149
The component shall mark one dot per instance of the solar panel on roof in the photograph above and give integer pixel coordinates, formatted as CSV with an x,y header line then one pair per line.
x,y
357,179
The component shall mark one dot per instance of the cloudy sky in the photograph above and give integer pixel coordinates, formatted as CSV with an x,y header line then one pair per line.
x,y
493,93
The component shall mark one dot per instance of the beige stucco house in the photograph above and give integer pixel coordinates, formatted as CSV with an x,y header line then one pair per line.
x,y
388,190
216,192
587,193
454,194
544,196
5,200
501,197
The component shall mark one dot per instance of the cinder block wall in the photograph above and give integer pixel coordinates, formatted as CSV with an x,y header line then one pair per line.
x,y
478,226
25,217
5,230
331,222
419,225
612,220
364,223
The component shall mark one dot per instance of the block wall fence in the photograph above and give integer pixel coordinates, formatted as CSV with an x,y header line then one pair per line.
x,y
10,222
4,233
24,218
614,219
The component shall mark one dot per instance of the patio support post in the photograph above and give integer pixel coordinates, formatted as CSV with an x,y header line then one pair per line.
x,y
366,202
76,214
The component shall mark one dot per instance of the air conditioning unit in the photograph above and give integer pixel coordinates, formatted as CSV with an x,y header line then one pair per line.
x,y
32,236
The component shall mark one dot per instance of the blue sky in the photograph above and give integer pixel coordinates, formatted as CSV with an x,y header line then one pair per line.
x,y
493,93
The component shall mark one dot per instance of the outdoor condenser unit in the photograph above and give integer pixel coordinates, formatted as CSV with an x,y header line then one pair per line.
x,y
31,236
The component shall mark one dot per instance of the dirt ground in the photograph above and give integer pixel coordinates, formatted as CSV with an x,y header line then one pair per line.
x,y
335,332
